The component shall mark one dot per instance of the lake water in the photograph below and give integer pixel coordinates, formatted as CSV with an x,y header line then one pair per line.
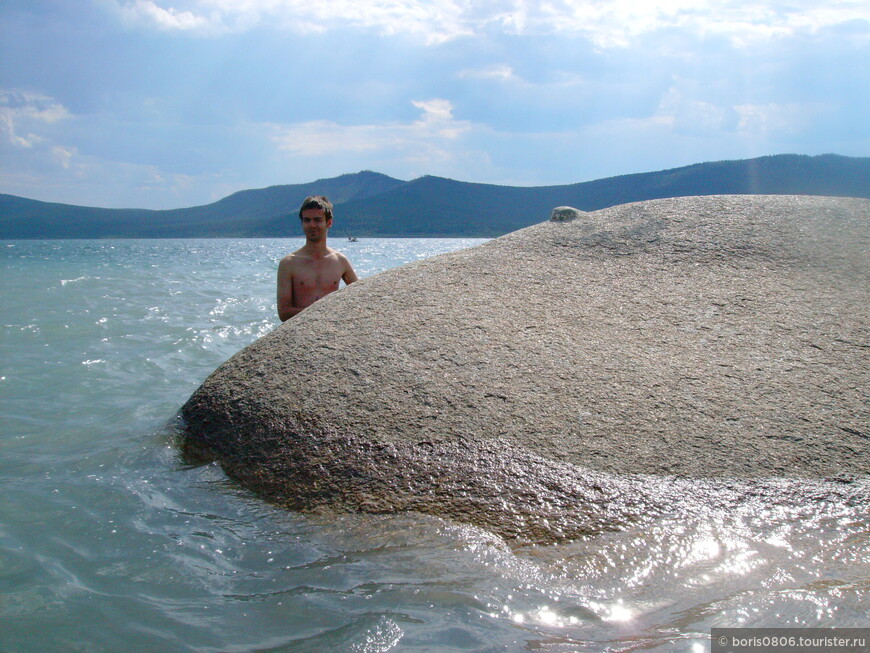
x,y
109,542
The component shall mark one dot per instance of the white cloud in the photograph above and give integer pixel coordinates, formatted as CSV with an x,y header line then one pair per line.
x,y
437,120
616,23
63,174
23,113
610,23
151,14
62,156
686,113
499,72
430,134
763,119
435,21
684,110
36,163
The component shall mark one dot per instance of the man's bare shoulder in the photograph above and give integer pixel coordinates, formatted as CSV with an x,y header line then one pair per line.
x,y
341,257
333,255
294,258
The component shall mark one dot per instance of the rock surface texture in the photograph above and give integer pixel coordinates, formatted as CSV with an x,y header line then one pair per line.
x,y
572,375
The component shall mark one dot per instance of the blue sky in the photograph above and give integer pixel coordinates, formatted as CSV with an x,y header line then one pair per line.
x,y
170,103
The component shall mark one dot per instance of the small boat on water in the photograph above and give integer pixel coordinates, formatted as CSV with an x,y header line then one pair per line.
x,y
351,239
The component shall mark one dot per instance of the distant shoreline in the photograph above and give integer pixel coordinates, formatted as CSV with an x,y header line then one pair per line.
x,y
370,204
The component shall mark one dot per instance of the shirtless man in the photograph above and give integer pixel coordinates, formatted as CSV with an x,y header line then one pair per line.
x,y
315,270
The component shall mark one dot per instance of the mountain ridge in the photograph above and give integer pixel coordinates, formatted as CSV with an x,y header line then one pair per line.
x,y
369,204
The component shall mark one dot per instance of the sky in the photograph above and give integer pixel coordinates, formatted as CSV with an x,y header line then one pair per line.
x,y
172,103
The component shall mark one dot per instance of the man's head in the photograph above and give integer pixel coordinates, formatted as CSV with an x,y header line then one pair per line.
x,y
316,217
317,202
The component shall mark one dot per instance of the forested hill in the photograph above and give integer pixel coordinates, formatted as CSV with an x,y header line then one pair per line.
x,y
372,204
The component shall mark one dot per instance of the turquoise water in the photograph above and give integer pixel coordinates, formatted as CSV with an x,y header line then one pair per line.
x,y
109,542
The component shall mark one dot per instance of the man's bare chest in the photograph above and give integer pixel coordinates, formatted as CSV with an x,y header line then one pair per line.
x,y
323,274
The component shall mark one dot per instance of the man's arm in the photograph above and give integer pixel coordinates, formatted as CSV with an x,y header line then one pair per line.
x,y
286,307
349,275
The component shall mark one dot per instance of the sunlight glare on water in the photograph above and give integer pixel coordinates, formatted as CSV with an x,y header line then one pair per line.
x,y
109,542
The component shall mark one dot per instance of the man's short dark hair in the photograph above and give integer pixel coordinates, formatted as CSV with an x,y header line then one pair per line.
x,y
317,202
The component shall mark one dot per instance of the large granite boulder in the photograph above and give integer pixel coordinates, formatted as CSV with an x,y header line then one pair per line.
x,y
572,375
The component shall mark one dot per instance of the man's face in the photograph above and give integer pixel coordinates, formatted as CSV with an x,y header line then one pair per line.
x,y
314,224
